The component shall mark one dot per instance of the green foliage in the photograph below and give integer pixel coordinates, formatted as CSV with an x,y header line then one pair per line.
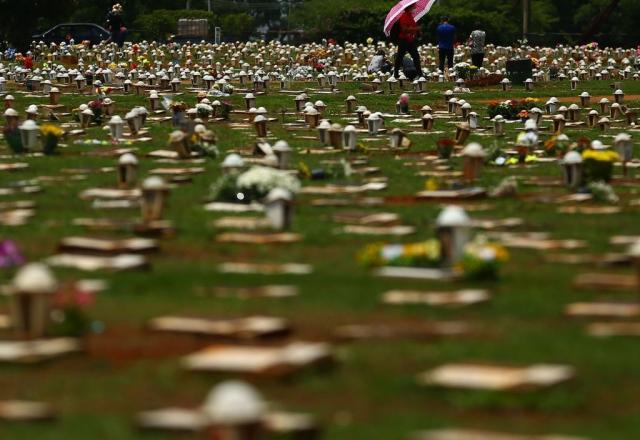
x,y
551,22
237,26
160,24
355,21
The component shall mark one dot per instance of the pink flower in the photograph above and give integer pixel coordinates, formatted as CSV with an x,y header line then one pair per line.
x,y
83,298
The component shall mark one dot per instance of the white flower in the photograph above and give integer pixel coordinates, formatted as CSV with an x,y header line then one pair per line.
x,y
264,179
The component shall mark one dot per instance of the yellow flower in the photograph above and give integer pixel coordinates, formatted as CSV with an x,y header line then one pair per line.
x,y
304,170
413,249
601,155
51,130
431,184
512,161
371,255
502,255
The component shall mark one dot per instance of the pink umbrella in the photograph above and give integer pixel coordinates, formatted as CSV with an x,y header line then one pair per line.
x,y
421,9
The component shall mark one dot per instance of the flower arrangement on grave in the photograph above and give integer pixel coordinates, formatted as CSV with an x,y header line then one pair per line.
x,y
445,147
69,316
481,260
10,255
50,135
598,164
204,111
222,89
10,53
523,115
511,109
432,184
252,185
205,143
422,254
529,158
525,144
341,170
465,70
603,192
556,146
27,62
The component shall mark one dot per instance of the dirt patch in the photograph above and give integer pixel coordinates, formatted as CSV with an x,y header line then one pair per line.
x,y
121,345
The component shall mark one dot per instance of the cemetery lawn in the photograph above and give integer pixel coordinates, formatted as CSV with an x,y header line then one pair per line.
x,y
371,392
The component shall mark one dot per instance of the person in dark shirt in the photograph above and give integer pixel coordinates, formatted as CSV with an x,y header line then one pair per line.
x,y
406,39
446,33
115,24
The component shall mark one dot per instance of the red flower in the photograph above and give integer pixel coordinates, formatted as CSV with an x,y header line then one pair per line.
x,y
28,62
95,104
445,142
71,296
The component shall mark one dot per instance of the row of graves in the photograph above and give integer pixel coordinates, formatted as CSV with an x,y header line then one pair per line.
x,y
588,139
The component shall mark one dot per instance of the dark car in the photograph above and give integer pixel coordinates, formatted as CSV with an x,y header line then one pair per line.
x,y
78,32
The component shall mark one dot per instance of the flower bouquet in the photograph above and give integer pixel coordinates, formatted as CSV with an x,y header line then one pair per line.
x,y
598,164
204,111
445,148
252,185
523,115
50,136
10,255
603,192
511,109
422,254
556,146
465,70
341,170
69,312
482,259
205,143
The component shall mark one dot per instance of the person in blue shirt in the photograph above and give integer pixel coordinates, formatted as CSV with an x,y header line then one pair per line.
x,y
446,33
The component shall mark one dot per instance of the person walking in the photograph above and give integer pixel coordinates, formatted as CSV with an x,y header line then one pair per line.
x,y
407,31
446,33
476,43
115,25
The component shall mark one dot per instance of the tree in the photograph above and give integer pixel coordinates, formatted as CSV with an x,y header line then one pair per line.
x,y
19,20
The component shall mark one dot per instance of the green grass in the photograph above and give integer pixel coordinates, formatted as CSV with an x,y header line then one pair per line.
x,y
371,393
